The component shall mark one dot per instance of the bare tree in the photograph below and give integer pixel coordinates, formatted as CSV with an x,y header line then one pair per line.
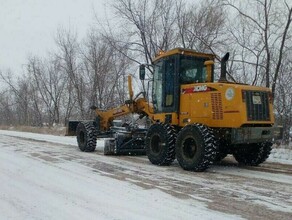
x,y
20,92
48,84
7,108
144,28
201,26
247,54
68,56
104,71
283,102
265,34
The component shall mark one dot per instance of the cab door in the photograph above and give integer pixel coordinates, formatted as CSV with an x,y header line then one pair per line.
x,y
165,89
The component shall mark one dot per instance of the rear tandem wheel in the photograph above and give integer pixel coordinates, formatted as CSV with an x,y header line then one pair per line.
x,y
196,147
253,154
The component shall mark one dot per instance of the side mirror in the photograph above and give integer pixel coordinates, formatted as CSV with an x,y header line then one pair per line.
x,y
142,72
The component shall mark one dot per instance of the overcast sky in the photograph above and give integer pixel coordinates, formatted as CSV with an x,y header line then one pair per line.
x,y
28,27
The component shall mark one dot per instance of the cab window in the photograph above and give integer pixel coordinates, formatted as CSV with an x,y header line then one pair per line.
x,y
192,70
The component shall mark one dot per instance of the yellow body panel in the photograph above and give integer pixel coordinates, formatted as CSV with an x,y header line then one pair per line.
x,y
140,106
106,117
162,116
211,104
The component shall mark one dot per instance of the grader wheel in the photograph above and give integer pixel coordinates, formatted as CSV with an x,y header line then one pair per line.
x,y
160,144
196,147
86,136
253,154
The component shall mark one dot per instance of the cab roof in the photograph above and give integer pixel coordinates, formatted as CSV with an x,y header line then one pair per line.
x,y
184,51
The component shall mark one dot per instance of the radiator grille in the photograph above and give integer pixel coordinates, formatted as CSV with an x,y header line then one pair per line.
x,y
217,110
257,105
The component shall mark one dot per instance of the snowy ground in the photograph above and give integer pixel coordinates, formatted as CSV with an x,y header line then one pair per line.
x,y
281,154
47,177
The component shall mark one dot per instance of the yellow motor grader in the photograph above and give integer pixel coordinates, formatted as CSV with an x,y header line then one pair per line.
x,y
192,118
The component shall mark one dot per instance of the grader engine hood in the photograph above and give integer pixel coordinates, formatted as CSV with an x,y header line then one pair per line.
x,y
226,105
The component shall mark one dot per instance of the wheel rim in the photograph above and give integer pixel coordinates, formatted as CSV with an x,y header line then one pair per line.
x,y
156,145
189,148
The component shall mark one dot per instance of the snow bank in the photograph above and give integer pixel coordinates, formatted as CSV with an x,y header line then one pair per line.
x,y
281,154
70,140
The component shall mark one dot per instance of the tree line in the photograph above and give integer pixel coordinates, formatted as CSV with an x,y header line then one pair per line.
x,y
63,85
92,71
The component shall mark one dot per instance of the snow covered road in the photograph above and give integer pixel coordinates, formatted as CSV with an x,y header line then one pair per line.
x,y
47,177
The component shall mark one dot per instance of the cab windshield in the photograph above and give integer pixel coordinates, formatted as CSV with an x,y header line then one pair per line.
x,y
192,70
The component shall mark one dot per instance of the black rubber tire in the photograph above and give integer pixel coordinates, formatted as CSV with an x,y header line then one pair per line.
x,y
160,144
196,147
253,154
86,136
222,151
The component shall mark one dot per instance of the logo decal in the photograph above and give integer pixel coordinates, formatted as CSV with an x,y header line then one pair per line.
x,y
195,89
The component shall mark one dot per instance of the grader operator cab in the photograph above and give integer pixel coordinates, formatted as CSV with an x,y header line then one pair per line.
x,y
191,117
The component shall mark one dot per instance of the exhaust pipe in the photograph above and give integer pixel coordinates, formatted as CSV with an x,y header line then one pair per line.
x,y
223,68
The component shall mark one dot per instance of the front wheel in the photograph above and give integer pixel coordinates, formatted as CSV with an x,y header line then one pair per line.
x,y
196,147
160,144
86,136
